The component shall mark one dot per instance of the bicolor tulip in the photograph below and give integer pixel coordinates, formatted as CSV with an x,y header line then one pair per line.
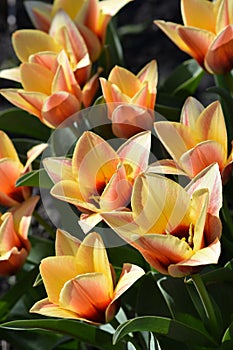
x,y
98,179
176,229
207,33
199,140
11,169
50,89
14,243
80,282
91,18
123,89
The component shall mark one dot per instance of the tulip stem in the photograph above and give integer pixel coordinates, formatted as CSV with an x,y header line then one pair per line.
x,y
44,224
211,318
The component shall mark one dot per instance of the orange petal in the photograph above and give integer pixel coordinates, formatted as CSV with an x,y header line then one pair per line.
x,y
202,155
209,178
55,272
66,244
9,195
8,235
39,13
91,40
205,256
219,56
149,74
27,42
87,295
90,89
190,112
198,41
46,308
224,14
12,261
58,107
126,81
198,13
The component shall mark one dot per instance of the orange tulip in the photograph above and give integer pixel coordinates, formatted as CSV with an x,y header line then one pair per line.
x,y
122,91
80,282
98,178
207,33
11,169
177,230
199,140
14,243
91,18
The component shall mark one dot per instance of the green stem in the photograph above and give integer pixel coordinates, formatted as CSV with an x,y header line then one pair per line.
x,y
211,318
43,223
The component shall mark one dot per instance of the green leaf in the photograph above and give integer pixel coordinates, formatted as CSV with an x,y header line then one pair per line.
x,y
37,178
164,326
85,332
19,122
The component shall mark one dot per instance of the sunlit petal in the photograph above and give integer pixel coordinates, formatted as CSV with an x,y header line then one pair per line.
x,y
66,244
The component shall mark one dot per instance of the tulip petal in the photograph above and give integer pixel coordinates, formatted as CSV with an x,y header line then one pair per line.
x,y
202,155
58,168
87,295
135,152
71,7
176,138
56,271
27,42
198,41
205,256
90,89
159,204
36,78
209,178
126,81
122,223
91,40
190,112
9,194
33,153
46,308
88,221
94,162
8,235
39,13
211,124
160,251
149,73
198,13
165,166
7,149
11,74
12,261
66,244
111,7
58,107
219,56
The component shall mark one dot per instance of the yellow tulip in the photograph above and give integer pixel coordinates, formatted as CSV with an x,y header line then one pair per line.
x,y
11,169
199,140
207,33
98,178
122,90
176,229
91,18
80,282
14,243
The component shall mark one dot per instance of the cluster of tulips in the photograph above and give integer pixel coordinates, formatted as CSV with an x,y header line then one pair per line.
x,y
164,191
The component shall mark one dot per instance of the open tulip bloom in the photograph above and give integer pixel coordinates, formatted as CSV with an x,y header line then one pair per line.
x,y
99,179
176,229
11,169
207,33
199,140
80,282
14,243
91,18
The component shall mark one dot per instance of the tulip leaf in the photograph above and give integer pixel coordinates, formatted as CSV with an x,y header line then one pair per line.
x,y
19,122
184,80
87,333
37,178
227,340
164,326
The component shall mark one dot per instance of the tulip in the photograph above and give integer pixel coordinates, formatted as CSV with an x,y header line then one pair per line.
x,y
98,179
50,89
91,18
199,140
176,229
207,33
14,243
11,169
122,91
80,282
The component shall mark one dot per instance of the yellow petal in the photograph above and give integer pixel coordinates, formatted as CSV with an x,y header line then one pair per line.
x,y
11,74
7,149
46,308
71,7
66,244
27,42
33,153
58,168
165,166
159,205
198,13
126,81
224,14
36,78
190,112
8,235
39,13
55,272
